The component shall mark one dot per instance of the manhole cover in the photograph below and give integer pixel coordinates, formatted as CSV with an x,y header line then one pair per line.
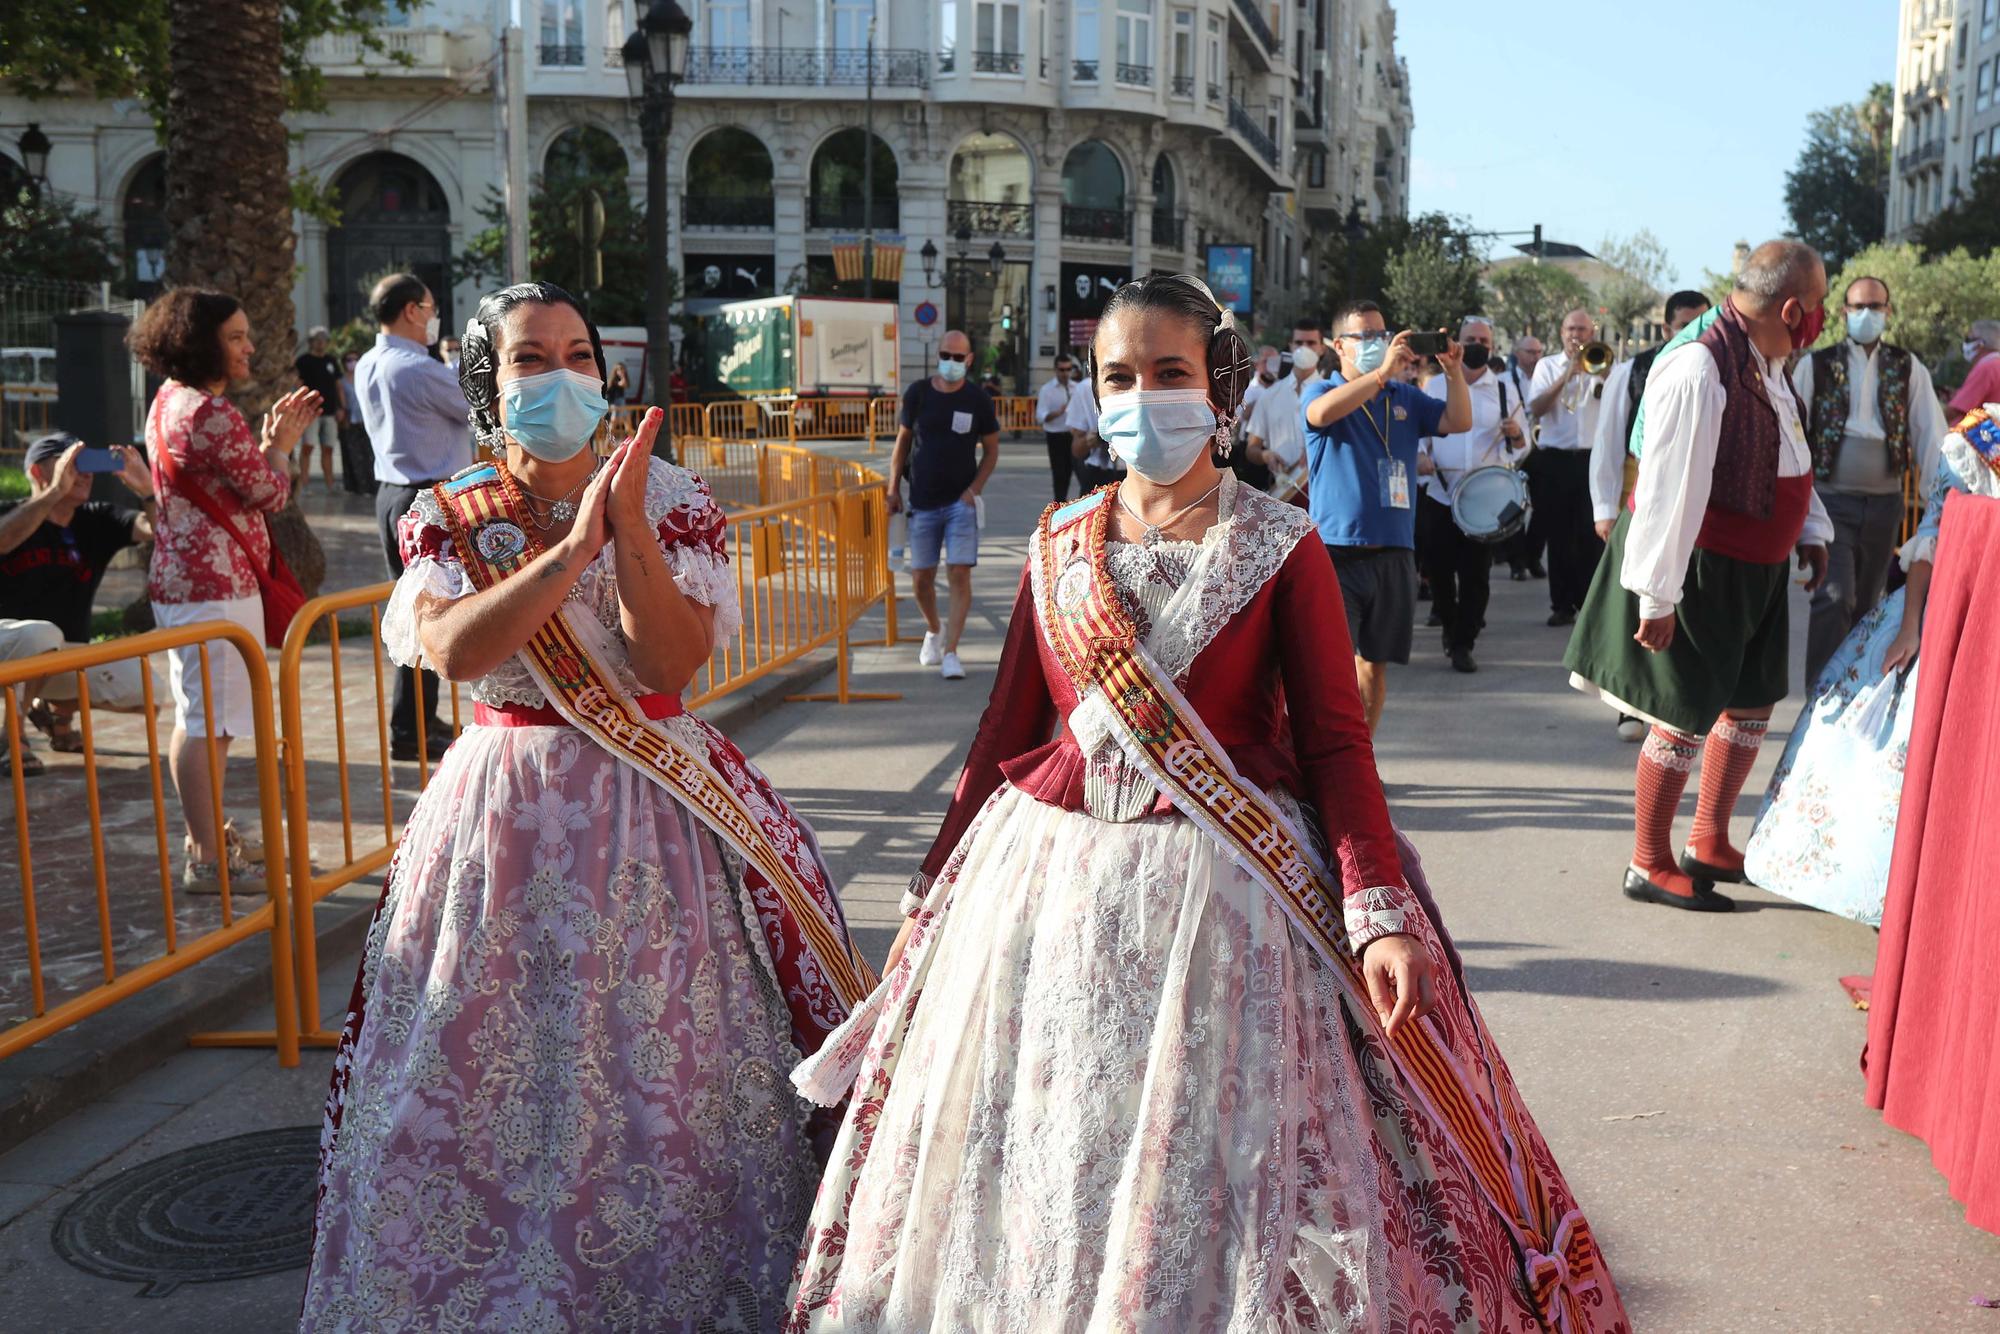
x,y
233,1209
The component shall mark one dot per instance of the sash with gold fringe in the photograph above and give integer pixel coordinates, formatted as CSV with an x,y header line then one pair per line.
x,y
1095,637
822,975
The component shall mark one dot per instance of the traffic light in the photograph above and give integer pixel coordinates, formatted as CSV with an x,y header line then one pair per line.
x,y
1007,317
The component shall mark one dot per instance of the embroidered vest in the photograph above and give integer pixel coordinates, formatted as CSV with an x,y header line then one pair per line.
x,y
1829,406
1635,388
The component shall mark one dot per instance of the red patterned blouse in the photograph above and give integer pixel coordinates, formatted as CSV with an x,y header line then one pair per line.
x,y
214,449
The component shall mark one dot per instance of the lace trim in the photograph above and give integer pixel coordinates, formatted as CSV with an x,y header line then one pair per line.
x,y
706,577
441,579
916,894
1238,556
1373,913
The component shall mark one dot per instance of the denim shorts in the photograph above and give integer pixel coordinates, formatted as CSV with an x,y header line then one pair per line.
x,y
955,529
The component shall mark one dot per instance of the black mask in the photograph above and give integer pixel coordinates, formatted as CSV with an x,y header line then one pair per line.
x,y
1476,355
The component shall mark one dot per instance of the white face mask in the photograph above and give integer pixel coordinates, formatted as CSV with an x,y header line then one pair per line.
x,y
431,328
1304,359
1159,433
1971,349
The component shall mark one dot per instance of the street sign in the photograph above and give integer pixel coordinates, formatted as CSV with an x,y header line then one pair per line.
x,y
926,314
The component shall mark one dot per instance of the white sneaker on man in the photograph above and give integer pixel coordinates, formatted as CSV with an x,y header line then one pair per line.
x,y
1631,729
932,653
953,669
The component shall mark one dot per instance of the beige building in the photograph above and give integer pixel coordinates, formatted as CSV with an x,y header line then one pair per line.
x,y
1947,105
1059,146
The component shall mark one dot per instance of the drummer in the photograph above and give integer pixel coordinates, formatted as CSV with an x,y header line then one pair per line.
x,y
1457,563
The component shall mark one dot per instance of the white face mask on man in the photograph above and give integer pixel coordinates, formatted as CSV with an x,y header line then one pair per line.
x,y
1159,433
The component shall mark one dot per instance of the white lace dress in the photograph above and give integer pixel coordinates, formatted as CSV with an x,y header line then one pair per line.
x,y
1125,1100
566,1106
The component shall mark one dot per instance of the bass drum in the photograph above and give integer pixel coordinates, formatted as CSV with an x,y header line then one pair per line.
x,y
1491,504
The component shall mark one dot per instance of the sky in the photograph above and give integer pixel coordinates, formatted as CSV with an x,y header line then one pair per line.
x,y
1601,117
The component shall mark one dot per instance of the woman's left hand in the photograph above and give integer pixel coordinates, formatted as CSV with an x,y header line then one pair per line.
x,y
1902,650
1400,982
632,463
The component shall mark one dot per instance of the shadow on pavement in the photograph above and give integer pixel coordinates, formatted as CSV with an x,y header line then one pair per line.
x,y
1417,806
1617,979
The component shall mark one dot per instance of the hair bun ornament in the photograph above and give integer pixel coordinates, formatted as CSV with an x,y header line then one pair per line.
x,y
475,367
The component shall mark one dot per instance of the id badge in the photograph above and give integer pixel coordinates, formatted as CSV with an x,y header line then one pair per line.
x,y
1395,484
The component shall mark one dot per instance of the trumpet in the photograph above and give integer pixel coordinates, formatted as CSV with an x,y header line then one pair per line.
x,y
1596,358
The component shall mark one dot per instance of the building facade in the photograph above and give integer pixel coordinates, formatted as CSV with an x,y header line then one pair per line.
x,y
1045,149
1947,105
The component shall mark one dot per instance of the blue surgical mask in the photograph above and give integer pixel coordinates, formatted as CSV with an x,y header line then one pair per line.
x,y
1159,433
1865,326
950,371
554,414
1370,355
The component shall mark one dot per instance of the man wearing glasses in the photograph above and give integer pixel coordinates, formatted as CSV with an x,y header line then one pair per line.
x,y
1874,422
948,443
1362,425
1052,410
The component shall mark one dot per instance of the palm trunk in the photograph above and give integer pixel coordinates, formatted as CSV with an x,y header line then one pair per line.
x,y
229,210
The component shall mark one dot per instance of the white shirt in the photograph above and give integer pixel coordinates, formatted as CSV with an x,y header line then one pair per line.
x,y
1928,427
1481,447
1274,419
1054,400
1082,418
1684,402
1608,445
1567,426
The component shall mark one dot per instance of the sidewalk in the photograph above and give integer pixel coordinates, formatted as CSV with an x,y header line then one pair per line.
x,y
1696,1076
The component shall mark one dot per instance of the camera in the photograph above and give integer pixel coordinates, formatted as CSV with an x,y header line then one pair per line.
x,y
1426,344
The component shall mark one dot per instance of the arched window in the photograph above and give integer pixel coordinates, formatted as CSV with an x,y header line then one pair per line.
x,y
393,217
991,177
584,150
1094,194
144,215
1166,204
838,179
728,181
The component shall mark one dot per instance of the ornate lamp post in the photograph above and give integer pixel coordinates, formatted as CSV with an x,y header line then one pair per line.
x,y
655,61
34,147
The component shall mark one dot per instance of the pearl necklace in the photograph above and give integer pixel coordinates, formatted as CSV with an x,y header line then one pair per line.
x,y
1151,538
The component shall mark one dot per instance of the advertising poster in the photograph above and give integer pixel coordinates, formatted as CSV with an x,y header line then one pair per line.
x,y
1231,269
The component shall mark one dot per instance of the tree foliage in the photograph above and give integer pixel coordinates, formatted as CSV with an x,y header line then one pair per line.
x,y
1637,285
1428,286
1838,191
1935,297
1530,298
1972,222
1360,255
43,236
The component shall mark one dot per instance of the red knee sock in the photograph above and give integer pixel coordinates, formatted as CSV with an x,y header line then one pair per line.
x,y
1665,762
1732,752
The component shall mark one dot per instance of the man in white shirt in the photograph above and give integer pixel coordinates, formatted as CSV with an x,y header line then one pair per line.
x,y
1524,553
1566,399
1095,465
1275,438
1876,429
1686,622
1052,411
1459,568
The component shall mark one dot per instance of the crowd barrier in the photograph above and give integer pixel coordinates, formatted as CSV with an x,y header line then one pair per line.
x,y
808,539
789,419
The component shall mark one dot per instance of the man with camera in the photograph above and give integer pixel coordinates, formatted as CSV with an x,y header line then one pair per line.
x,y
1566,397
1363,424
54,549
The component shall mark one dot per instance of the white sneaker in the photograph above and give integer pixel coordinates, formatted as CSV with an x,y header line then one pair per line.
x,y
1631,729
954,670
932,653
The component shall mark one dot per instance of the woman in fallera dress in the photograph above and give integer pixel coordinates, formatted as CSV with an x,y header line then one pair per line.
x,y
560,1100
1172,1038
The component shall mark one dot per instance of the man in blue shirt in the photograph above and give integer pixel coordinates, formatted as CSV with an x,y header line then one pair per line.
x,y
1362,428
418,423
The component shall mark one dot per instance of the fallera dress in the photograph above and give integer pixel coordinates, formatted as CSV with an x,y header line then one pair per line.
x,y
1109,1086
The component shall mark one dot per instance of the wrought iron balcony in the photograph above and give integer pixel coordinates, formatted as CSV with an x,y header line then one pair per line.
x,y
1253,134
1138,76
1096,224
986,219
1086,71
996,62
1215,92
848,214
731,212
805,67
1257,24
563,54
1169,232
1183,85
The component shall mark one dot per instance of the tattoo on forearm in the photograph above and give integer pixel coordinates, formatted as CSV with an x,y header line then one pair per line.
x,y
553,568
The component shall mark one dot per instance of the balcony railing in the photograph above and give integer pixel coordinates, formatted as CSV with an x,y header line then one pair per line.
x,y
849,215
1168,231
1253,133
1257,24
732,212
1137,76
1215,92
1183,85
406,53
567,55
1921,156
1096,224
996,62
1086,71
805,67
990,219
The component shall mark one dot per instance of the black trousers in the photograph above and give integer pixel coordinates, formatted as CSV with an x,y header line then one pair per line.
x,y
392,502
1559,486
1460,572
1062,464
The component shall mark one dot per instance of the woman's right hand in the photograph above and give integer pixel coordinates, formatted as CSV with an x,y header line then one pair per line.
x,y
1902,650
288,418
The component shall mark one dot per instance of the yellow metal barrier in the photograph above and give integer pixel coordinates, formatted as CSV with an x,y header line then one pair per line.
x,y
830,419
273,916
1016,414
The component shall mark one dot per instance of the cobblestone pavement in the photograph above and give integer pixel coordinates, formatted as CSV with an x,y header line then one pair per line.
x,y
1695,1075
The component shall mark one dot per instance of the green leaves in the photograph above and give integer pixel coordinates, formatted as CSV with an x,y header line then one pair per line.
x,y
1838,193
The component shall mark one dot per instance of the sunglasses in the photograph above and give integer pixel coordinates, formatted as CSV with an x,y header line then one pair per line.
x,y
960,357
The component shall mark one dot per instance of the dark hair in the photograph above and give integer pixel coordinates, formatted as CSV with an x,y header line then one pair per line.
x,y
1347,312
1186,297
393,294
477,365
1685,299
1848,291
180,335
1306,322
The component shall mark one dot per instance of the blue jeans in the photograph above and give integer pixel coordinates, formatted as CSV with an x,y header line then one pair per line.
x,y
955,529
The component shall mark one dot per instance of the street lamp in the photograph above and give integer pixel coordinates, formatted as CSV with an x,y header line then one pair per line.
x,y
35,154
656,57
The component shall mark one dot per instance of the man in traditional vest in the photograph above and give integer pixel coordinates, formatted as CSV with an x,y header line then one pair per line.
x,y
1685,625
1876,429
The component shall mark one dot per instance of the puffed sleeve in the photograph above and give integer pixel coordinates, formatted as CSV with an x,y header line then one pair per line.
x,y
1020,715
691,528
221,444
1336,757
430,567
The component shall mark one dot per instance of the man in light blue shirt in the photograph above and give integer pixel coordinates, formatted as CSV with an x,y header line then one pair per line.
x,y
417,420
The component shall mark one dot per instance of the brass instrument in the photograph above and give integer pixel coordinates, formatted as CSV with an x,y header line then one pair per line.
x,y
1596,358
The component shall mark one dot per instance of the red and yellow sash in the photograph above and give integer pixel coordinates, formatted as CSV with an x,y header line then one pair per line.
x,y
488,522
1095,637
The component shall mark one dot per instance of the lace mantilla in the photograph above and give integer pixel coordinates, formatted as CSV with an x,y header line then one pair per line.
x,y
689,526
1374,913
